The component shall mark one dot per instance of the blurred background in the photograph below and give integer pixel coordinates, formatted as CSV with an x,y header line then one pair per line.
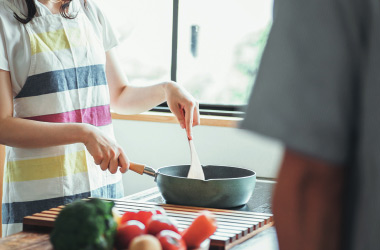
x,y
220,43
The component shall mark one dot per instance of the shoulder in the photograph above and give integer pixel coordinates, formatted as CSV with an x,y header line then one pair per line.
x,y
9,7
7,10
94,12
92,7
92,3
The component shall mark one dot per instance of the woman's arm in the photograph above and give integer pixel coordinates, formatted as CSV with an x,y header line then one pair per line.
x,y
23,133
128,99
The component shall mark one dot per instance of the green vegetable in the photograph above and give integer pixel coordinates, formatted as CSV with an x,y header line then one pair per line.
x,y
85,225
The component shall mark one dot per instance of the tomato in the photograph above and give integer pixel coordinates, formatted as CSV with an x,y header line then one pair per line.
x,y
142,216
171,240
203,226
160,222
127,216
127,231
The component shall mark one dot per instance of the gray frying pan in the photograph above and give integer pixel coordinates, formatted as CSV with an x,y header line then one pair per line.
x,y
223,187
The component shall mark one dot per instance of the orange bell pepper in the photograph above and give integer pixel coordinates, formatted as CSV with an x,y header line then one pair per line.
x,y
203,226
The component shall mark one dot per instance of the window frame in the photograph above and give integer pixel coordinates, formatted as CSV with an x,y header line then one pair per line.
x,y
204,108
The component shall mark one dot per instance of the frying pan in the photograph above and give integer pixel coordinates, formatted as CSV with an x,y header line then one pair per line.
x,y
223,187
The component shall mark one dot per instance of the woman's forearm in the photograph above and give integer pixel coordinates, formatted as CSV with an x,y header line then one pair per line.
x,y
17,132
23,133
135,99
129,99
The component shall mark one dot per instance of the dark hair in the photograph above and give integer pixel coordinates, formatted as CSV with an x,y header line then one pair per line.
x,y
32,11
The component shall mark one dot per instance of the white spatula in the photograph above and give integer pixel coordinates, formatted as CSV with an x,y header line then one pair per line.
x,y
196,170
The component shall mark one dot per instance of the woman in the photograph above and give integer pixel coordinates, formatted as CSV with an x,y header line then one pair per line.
x,y
59,76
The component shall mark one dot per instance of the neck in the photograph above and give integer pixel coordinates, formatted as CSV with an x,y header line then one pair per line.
x,y
52,5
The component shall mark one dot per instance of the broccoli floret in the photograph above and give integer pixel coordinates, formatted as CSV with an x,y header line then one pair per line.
x,y
85,224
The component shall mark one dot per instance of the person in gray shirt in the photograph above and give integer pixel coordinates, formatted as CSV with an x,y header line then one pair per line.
x,y
318,91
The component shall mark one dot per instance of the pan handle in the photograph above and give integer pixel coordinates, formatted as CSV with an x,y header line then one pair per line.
x,y
142,169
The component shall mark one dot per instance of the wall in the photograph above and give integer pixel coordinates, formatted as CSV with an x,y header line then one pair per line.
x,y
163,144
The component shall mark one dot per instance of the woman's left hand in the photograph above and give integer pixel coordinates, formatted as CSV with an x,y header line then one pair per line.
x,y
183,105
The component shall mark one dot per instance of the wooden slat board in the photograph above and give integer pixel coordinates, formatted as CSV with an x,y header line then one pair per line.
x,y
234,226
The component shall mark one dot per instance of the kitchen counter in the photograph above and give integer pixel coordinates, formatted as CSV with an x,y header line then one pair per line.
x,y
259,202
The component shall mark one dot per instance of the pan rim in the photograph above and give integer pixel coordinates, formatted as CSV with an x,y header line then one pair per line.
x,y
253,173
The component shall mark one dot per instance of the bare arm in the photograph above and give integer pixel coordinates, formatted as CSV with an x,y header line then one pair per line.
x,y
24,133
128,99
18,132
307,203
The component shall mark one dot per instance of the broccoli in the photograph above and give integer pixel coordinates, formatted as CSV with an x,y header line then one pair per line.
x,y
85,224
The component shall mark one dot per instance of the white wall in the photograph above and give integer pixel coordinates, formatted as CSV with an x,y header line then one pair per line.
x,y
163,144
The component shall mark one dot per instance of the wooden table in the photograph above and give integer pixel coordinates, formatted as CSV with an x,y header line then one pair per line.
x,y
260,202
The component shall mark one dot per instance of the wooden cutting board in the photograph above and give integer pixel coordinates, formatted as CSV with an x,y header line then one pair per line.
x,y
234,226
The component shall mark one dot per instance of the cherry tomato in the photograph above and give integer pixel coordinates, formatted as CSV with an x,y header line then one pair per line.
x,y
203,226
171,240
160,222
127,232
127,216
142,216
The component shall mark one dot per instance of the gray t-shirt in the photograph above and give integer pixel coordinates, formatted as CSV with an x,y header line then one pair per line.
x,y
318,91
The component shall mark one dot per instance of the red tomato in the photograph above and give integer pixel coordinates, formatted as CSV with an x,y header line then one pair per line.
x,y
160,222
127,231
171,240
203,226
127,216
142,216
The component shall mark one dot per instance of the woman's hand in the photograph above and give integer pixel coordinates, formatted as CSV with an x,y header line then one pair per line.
x,y
105,151
183,106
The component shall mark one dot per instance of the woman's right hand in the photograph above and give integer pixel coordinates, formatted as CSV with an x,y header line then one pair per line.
x,y
105,151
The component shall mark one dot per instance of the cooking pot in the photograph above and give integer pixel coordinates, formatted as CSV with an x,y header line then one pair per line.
x,y
223,187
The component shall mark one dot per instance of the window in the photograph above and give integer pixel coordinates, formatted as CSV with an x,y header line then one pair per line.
x,y
212,47
145,34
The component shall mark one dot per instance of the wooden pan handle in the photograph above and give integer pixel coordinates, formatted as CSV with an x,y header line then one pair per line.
x,y
136,167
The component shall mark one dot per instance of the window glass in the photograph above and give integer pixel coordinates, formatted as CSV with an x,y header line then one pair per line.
x,y
219,47
219,44
144,28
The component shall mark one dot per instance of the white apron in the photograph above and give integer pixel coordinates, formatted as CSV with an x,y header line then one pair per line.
x,y
66,84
